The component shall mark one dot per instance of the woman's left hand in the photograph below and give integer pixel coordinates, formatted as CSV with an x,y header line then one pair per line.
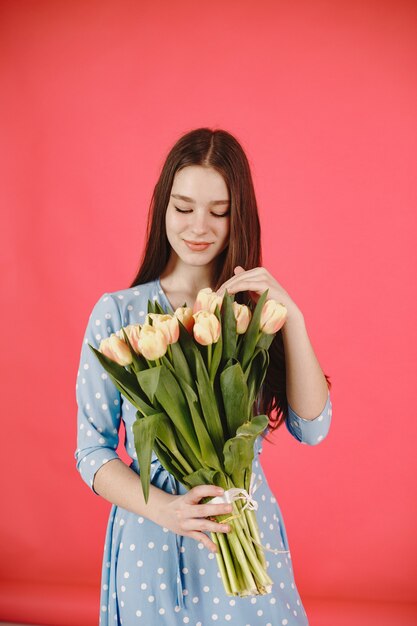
x,y
256,281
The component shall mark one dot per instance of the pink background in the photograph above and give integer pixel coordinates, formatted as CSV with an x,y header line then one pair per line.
x,y
322,96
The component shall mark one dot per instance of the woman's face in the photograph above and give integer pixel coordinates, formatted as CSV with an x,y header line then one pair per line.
x,y
198,215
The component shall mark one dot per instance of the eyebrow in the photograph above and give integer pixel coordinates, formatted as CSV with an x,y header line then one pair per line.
x,y
187,199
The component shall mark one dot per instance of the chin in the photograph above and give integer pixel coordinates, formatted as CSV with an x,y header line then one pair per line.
x,y
198,262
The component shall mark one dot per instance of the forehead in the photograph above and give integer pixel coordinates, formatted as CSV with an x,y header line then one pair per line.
x,y
201,184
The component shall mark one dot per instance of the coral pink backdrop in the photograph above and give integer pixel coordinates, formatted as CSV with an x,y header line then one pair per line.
x,y
322,96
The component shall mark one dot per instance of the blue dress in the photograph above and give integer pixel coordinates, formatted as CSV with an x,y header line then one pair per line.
x,y
151,575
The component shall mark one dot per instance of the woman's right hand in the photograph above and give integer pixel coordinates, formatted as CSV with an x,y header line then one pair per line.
x,y
185,515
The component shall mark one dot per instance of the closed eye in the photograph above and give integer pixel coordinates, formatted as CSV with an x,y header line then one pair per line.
x,y
190,211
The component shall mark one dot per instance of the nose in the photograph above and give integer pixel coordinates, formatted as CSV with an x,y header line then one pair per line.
x,y
199,224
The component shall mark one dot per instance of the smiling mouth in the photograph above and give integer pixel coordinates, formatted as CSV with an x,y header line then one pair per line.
x,y
198,243
197,246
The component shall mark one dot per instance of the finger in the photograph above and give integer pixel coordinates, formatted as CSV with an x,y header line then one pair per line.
x,y
202,491
206,541
246,283
206,525
212,510
240,273
238,270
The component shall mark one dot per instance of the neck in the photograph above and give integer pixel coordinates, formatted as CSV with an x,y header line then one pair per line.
x,y
188,278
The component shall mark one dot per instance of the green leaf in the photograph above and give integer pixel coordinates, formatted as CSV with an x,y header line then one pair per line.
x,y
125,381
235,397
189,349
239,452
209,405
228,328
135,399
159,309
250,338
204,476
208,453
167,461
193,459
167,436
255,374
180,365
171,398
148,380
217,350
265,341
165,361
144,431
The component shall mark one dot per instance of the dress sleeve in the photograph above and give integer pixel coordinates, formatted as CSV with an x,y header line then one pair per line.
x,y
310,431
98,400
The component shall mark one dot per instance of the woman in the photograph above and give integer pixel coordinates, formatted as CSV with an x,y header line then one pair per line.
x,y
159,565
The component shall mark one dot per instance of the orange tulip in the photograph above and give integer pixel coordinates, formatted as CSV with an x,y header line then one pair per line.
x,y
243,317
152,343
167,324
185,316
115,349
206,328
273,317
206,301
133,332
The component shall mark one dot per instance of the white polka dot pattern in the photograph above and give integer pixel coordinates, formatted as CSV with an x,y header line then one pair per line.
x,y
312,431
149,574
98,421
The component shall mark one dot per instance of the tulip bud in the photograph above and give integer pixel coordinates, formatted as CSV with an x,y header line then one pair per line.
x,y
206,328
152,343
206,301
243,317
273,316
132,331
185,316
167,324
116,350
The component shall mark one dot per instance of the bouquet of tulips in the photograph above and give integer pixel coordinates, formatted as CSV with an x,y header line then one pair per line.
x,y
194,377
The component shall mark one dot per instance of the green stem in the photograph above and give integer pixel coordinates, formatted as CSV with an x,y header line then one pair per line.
x,y
229,563
221,564
248,547
236,546
254,532
209,353
240,578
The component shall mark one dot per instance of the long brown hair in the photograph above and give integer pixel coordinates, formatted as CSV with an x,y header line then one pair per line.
x,y
219,150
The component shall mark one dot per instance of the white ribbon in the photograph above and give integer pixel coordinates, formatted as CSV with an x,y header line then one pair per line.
x,y
231,495
236,493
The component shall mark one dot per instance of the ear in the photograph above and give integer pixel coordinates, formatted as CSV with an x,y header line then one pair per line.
x,y
238,270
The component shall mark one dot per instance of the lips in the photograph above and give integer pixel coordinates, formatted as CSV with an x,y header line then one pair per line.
x,y
197,246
